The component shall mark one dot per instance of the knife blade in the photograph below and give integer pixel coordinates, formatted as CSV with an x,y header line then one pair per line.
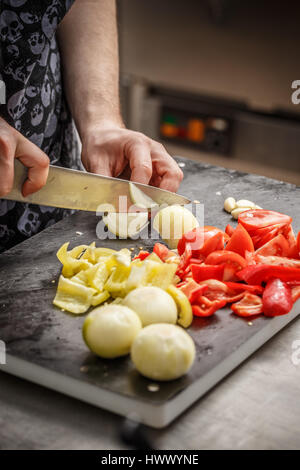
x,y
79,190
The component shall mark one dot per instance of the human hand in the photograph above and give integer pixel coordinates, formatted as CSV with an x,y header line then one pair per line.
x,y
109,149
15,145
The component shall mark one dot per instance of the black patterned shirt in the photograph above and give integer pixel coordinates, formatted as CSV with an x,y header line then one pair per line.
x,y
35,102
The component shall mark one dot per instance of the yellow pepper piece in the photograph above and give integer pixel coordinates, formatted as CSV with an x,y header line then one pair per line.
x,y
69,259
100,298
72,296
185,313
160,275
97,275
117,282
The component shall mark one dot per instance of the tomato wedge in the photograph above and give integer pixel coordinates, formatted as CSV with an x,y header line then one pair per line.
x,y
277,261
249,306
264,272
238,286
229,230
277,298
197,237
161,251
142,255
201,272
288,232
278,246
233,262
258,218
240,241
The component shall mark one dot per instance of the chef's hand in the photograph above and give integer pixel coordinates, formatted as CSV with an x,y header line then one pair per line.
x,y
15,145
110,150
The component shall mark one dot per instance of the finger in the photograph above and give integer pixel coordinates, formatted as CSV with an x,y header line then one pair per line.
x,y
126,173
139,157
167,169
97,165
37,163
7,154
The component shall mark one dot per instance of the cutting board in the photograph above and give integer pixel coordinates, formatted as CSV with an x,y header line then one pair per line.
x,y
44,345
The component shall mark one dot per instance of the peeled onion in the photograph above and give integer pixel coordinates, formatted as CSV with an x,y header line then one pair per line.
x,y
109,331
152,304
172,222
163,352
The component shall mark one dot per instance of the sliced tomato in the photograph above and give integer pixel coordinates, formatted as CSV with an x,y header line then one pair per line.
x,y
277,261
249,306
229,230
264,272
277,298
240,241
233,263
201,272
197,237
215,243
278,246
142,255
238,286
262,236
192,290
161,251
258,218
206,307
184,261
288,232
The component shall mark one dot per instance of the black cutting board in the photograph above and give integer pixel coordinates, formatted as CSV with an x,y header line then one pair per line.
x,y
44,345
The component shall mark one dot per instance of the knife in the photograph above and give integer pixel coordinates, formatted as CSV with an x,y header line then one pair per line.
x,y
74,189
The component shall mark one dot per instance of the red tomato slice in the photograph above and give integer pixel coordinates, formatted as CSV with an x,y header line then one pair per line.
x,y
288,232
249,306
278,246
201,272
240,241
277,298
238,286
277,261
257,218
233,263
161,251
264,272
197,237
142,255
229,230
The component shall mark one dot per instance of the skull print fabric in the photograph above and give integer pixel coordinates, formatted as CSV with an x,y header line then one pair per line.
x,y
35,102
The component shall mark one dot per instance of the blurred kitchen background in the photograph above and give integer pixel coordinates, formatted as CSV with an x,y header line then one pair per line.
x,y
212,80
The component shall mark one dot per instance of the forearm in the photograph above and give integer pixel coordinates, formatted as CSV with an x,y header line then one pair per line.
x,y
89,50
